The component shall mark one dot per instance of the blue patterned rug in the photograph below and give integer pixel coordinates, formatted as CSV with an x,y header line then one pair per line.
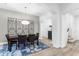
x,y
23,51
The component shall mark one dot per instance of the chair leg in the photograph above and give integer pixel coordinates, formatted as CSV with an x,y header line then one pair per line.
x,y
33,45
24,45
9,47
16,46
37,42
30,46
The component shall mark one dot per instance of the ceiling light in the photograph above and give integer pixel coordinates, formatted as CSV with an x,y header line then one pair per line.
x,y
25,22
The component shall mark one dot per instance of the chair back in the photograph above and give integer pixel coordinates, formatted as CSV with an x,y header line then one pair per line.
x,y
7,36
31,38
22,39
37,35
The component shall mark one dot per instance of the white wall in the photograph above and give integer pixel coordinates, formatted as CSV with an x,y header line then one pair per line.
x,y
67,22
4,14
72,8
76,24
45,21
56,30
61,21
48,19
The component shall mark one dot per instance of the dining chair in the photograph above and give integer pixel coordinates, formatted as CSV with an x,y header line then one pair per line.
x,y
22,40
11,40
31,39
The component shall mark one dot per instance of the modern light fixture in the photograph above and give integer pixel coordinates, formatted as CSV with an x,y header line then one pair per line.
x,y
25,22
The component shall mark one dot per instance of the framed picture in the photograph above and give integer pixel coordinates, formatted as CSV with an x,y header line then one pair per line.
x,y
12,26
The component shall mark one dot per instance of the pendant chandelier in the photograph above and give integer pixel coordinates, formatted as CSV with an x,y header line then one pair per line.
x,y
25,22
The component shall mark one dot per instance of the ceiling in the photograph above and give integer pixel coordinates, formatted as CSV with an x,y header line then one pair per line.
x,y
72,8
36,9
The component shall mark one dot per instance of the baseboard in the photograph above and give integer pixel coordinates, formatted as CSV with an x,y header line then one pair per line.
x,y
64,45
56,46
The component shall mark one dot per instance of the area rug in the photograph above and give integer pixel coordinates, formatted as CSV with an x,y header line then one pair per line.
x,y
23,51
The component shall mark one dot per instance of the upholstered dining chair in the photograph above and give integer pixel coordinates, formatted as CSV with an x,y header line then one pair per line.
x,y
31,39
11,40
22,40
